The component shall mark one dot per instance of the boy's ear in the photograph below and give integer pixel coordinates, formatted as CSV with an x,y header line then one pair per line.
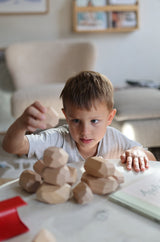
x,y
111,116
64,113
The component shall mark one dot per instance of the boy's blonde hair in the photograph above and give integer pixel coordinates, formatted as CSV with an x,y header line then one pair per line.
x,y
85,88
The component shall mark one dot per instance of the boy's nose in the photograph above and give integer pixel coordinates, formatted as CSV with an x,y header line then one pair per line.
x,y
84,129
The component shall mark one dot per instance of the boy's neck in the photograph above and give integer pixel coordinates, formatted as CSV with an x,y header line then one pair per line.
x,y
88,153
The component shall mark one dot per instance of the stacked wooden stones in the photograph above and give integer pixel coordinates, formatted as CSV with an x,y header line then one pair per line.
x,y
29,180
100,177
52,178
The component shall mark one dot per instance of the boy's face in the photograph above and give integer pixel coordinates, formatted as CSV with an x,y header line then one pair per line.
x,y
88,127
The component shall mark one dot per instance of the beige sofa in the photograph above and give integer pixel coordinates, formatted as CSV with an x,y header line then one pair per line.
x,y
40,69
138,114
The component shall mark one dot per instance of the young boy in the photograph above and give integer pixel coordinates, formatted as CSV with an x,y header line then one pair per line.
x,y
88,109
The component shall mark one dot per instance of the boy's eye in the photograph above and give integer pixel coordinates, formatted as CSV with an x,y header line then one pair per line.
x,y
76,121
94,121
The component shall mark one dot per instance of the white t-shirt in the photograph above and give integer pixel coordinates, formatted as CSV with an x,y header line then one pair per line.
x,y
111,146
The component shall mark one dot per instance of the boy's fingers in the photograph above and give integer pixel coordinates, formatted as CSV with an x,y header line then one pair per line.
x,y
35,113
31,129
128,153
134,158
39,106
129,163
136,164
123,157
146,161
142,163
35,124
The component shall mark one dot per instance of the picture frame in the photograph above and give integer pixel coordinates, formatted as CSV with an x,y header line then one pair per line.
x,y
23,7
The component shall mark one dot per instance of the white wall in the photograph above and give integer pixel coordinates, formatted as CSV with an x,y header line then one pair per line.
x,y
134,55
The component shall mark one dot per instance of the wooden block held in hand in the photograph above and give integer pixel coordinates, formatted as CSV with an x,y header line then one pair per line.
x,y
99,167
44,236
55,157
73,175
39,167
82,193
52,118
30,181
53,194
100,185
56,176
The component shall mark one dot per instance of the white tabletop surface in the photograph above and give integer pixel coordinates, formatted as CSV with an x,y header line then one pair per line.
x,y
99,221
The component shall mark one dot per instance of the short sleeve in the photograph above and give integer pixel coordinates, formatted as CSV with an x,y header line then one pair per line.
x,y
114,143
39,142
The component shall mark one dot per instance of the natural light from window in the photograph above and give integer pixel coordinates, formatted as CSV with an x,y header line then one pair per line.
x,y
128,131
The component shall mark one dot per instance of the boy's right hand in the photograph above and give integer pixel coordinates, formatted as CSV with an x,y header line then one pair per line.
x,y
33,117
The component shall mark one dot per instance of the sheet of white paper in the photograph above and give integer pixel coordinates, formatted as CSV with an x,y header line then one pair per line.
x,y
147,189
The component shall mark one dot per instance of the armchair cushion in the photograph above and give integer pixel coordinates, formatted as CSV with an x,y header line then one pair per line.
x,y
47,94
137,104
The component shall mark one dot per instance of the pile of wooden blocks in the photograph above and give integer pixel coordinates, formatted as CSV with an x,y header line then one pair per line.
x,y
100,177
52,180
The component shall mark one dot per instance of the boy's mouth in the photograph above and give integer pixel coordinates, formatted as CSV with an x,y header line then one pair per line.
x,y
85,141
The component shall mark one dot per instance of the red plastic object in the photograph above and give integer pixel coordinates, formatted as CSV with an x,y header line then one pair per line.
x,y
10,223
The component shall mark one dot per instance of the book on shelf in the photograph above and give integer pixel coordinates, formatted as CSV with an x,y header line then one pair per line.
x,y
92,21
87,3
142,194
122,19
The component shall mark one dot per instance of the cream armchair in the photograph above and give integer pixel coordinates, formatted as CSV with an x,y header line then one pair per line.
x,y
40,69
138,115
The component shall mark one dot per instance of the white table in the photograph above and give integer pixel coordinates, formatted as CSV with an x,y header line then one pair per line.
x,y
99,221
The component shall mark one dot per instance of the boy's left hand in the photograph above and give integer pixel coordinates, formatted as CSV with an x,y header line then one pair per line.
x,y
136,158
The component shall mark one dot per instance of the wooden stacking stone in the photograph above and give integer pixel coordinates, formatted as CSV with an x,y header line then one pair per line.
x,y
56,176
55,157
82,193
99,167
53,194
39,166
30,181
72,175
44,236
52,117
101,185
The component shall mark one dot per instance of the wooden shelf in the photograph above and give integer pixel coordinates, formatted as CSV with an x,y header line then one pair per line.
x,y
110,30
108,9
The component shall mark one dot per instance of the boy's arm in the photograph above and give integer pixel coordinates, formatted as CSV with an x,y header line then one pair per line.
x,y
15,141
138,158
